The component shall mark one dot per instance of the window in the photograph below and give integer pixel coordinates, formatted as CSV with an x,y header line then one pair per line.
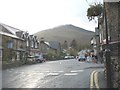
x,y
10,44
36,45
27,43
32,44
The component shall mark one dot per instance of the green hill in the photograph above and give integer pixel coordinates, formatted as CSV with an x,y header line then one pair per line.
x,y
66,32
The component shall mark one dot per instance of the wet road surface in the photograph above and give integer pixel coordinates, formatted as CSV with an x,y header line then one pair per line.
x,y
51,74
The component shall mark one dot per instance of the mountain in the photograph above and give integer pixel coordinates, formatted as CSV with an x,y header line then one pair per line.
x,y
66,32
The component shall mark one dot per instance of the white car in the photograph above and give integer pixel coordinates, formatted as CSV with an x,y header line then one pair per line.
x,y
68,57
89,59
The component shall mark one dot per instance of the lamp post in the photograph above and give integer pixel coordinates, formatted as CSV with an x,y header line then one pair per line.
x,y
107,53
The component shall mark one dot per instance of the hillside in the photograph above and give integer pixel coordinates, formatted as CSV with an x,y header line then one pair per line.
x,y
66,32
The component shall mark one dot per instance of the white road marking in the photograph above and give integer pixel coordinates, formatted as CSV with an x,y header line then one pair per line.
x,y
53,74
77,71
70,74
58,71
73,71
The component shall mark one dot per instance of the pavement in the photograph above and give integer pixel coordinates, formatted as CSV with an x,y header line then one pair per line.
x,y
98,78
102,80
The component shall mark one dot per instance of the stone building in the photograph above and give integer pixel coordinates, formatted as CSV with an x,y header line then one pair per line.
x,y
16,45
46,47
0,48
112,19
34,45
13,47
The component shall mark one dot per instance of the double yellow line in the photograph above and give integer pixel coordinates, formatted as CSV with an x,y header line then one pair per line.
x,y
94,80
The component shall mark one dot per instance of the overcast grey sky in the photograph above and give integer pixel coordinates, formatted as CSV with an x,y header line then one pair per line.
x,y
37,15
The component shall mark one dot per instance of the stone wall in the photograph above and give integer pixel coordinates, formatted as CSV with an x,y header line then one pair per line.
x,y
119,44
112,20
113,31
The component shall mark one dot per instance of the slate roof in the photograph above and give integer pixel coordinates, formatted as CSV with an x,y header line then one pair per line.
x,y
47,43
53,44
14,32
17,33
11,29
10,35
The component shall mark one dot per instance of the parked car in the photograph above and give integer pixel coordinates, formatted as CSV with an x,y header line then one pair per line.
x,y
39,58
68,57
81,58
30,58
89,59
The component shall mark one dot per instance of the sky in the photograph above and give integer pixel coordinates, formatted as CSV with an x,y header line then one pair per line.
x,y
37,15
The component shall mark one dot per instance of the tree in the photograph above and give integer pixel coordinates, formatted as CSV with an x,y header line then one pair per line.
x,y
74,44
95,10
65,45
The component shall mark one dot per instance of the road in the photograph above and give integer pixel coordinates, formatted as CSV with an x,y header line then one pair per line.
x,y
51,74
